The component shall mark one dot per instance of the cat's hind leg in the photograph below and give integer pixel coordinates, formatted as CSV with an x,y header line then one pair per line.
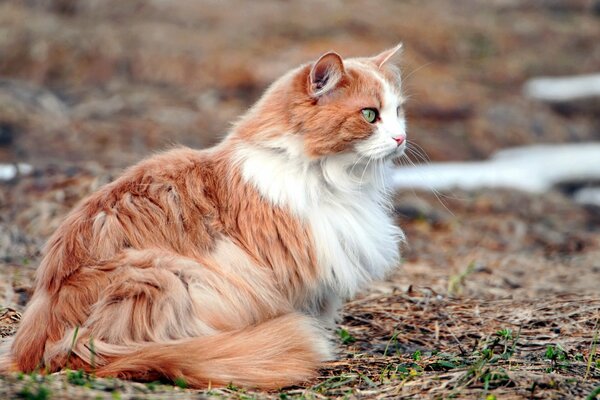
x,y
163,315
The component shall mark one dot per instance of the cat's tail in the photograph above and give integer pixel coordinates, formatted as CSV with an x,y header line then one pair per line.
x,y
25,351
7,363
272,354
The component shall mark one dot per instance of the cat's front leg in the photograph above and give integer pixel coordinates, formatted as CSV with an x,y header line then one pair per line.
x,y
329,313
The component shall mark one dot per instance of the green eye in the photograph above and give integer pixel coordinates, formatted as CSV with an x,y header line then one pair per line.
x,y
370,114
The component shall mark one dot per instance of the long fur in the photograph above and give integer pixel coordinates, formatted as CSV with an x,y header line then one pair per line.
x,y
227,264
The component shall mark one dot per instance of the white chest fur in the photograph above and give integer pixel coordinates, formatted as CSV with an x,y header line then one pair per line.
x,y
356,240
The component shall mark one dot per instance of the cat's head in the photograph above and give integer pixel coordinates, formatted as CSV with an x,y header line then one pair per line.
x,y
335,106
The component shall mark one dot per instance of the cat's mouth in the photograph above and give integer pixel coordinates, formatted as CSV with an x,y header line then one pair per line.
x,y
401,149
397,152
381,156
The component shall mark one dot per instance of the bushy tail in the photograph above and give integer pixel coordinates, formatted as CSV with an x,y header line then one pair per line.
x,y
273,354
26,349
6,361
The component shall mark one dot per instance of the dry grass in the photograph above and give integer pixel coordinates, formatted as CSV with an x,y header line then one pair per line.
x,y
418,344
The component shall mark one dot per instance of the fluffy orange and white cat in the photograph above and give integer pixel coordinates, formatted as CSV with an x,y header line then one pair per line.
x,y
229,264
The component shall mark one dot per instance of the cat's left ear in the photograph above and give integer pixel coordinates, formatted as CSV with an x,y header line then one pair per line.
x,y
387,55
325,74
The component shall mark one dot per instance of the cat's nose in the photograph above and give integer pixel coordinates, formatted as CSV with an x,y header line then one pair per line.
x,y
399,139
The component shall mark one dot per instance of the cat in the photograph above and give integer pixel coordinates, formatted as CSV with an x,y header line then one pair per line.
x,y
230,264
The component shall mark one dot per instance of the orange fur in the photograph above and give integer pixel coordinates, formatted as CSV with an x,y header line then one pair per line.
x,y
182,269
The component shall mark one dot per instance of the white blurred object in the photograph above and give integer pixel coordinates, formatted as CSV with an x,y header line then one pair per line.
x,y
10,171
530,168
563,89
589,195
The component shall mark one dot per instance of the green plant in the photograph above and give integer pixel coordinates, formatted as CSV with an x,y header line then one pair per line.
x,y
509,341
75,333
457,282
78,377
403,372
417,355
334,382
505,333
41,392
180,382
557,356
345,336
593,394
393,339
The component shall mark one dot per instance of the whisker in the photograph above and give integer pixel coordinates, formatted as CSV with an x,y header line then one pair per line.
x,y
420,150
422,155
413,152
418,153
411,73
365,170
357,161
438,195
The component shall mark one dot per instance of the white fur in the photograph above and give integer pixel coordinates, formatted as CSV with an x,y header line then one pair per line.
x,y
343,198
344,201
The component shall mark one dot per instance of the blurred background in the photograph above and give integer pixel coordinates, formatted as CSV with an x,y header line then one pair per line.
x,y
88,87
109,81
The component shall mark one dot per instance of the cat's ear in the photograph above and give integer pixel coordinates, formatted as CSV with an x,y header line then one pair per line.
x,y
326,74
387,55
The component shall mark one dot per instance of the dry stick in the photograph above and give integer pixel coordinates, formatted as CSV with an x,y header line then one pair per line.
x,y
460,348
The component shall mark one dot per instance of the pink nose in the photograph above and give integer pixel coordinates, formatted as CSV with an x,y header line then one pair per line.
x,y
399,139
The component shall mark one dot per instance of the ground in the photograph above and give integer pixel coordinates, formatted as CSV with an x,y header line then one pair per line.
x,y
497,296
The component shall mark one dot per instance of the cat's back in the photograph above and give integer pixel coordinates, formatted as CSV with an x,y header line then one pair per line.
x,y
170,181
165,201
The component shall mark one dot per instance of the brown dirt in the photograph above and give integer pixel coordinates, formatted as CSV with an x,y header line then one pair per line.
x,y
498,294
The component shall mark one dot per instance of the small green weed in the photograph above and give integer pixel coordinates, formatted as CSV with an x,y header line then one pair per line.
x,y
40,392
593,348
594,394
457,282
508,341
180,382
78,377
444,361
334,382
394,340
417,355
557,356
403,372
345,336
75,333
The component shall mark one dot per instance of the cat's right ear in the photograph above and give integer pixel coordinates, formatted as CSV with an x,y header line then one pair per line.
x,y
325,74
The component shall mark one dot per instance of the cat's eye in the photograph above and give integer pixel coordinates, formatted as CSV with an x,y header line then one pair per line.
x,y
370,114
